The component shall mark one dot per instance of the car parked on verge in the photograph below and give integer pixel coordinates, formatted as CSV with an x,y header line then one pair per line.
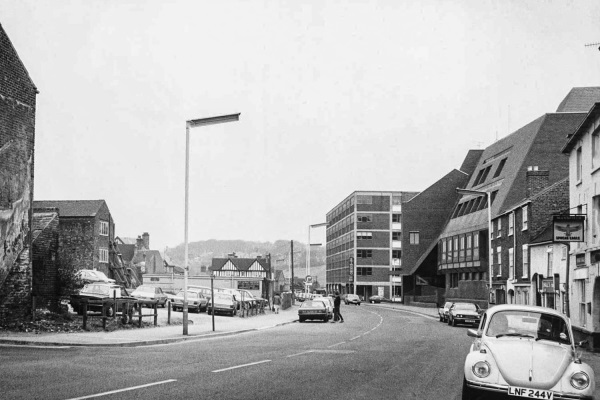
x,y
195,299
92,275
443,311
352,299
104,292
464,313
224,303
375,299
313,310
528,352
150,294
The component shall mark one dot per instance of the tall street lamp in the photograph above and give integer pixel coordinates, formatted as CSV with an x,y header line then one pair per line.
x,y
489,212
192,123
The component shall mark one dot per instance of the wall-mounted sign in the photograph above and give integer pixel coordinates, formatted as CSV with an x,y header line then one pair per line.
x,y
568,228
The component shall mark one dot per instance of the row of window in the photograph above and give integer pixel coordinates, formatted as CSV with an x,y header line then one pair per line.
x,y
460,248
485,171
497,224
466,276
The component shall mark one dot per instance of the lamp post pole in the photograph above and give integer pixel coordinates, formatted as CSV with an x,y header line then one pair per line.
x,y
310,244
489,213
191,124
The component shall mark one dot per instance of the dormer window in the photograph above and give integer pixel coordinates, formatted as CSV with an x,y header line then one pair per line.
x,y
499,169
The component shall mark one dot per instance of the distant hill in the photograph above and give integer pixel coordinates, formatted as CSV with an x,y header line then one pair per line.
x,y
201,253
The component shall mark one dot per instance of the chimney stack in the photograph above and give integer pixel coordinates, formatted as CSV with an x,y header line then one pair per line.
x,y
139,243
536,181
146,238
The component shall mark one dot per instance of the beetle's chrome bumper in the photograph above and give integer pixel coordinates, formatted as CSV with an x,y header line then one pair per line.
x,y
489,387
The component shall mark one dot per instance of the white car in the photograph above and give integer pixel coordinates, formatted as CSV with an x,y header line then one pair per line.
x,y
525,351
328,304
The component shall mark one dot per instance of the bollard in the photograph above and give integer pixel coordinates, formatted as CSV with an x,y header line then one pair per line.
x,y
140,314
103,316
169,314
84,306
155,312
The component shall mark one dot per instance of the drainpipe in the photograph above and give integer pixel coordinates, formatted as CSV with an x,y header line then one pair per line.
x,y
567,305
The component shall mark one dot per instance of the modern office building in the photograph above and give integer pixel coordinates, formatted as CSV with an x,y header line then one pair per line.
x,y
364,243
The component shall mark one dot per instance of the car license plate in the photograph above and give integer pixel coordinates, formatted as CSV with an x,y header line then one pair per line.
x,y
530,393
470,321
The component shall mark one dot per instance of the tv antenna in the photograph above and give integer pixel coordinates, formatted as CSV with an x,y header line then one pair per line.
x,y
593,44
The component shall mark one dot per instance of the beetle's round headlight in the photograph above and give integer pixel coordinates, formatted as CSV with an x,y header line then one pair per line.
x,y
481,369
580,380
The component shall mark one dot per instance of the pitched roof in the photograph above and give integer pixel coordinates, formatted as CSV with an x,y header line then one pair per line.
x,y
242,264
536,144
11,57
590,118
127,251
72,208
579,99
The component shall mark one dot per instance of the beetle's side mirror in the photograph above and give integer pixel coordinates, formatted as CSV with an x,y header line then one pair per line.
x,y
473,333
581,343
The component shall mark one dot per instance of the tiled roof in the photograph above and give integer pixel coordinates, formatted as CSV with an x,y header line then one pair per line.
x,y
72,208
579,99
242,264
127,251
591,117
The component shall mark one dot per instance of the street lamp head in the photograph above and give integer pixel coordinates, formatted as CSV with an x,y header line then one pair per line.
x,y
213,120
471,192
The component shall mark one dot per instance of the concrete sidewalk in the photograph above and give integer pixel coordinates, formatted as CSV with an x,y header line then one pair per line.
x,y
200,327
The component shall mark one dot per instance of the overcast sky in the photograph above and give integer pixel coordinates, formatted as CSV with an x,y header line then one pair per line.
x,y
334,96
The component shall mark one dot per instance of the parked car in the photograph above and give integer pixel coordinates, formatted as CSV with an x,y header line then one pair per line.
x,y
92,275
104,292
352,299
195,299
223,303
328,304
526,351
443,311
375,299
313,310
150,294
464,313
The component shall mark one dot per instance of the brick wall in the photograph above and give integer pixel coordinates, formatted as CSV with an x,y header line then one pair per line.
x,y
17,138
44,254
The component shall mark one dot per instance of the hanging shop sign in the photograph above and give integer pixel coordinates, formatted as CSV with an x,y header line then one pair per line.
x,y
568,227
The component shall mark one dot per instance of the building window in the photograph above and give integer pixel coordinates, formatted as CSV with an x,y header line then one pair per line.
x,y
511,224
579,170
525,256
454,280
396,218
476,246
511,263
499,227
104,228
396,253
362,199
449,241
525,217
549,257
364,235
469,253
461,254
443,250
595,218
103,255
596,150
499,259
396,235
364,218
499,169
362,253
414,237
364,271
582,311
455,248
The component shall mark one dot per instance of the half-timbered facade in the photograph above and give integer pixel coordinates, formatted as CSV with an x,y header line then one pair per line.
x,y
240,267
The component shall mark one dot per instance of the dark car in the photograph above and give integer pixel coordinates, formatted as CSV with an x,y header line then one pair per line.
x,y
224,303
443,311
313,310
102,296
149,294
464,313
375,299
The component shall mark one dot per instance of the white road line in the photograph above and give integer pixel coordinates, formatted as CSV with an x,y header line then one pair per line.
x,y
124,390
241,366
355,337
299,354
337,344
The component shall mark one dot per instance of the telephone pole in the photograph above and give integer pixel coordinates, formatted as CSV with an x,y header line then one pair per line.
x,y
292,268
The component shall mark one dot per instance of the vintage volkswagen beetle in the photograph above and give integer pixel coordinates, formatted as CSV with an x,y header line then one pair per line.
x,y
527,352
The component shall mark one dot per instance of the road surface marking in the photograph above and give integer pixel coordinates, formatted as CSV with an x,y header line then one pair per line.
x,y
337,344
124,390
241,366
299,354
355,337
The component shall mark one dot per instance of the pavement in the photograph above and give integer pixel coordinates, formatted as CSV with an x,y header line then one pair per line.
x,y
199,328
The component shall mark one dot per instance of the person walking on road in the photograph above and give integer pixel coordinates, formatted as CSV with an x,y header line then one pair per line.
x,y
337,315
276,303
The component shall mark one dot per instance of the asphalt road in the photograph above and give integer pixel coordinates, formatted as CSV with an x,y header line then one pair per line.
x,y
376,354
